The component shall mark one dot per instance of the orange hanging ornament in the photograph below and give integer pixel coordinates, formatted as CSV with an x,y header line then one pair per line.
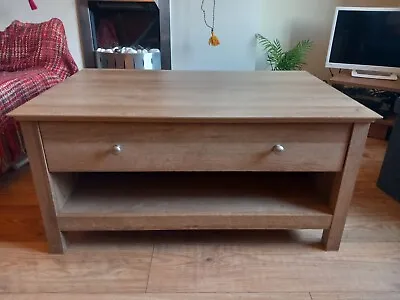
x,y
213,40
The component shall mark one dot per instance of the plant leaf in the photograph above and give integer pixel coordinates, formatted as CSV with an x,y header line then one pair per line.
x,y
293,59
274,51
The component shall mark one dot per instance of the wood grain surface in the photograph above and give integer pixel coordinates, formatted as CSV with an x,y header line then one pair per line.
x,y
81,272
342,192
347,80
50,198
194,147
199,296
355,296
194,201
260,267
235,264
210,296
181,96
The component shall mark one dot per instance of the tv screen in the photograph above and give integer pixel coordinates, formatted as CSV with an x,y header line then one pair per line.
x,y
366,37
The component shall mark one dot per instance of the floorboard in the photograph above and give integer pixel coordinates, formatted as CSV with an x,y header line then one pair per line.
x,y
274,267
29,271
356,296
202,296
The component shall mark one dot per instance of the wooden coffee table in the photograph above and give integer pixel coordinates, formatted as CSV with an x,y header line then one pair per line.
x,y
114,150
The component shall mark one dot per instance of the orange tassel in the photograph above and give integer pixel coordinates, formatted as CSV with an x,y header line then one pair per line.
x,y
213,41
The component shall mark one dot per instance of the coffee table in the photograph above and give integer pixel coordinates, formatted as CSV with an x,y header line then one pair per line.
x,y
116,150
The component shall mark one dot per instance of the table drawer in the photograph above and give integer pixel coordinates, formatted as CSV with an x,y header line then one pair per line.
x,y
116,147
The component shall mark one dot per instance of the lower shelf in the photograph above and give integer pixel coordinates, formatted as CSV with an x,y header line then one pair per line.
x,y
176,201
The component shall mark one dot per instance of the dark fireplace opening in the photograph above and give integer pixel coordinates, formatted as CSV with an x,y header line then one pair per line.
x,y
125,34
125,24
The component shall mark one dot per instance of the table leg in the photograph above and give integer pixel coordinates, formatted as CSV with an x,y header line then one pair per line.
x,y
43,184
343,187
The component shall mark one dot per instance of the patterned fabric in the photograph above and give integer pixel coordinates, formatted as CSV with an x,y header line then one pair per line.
x,y
25,46
33,58
12,148
20,86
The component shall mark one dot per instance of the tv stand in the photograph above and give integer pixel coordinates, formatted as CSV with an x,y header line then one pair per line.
x,y
380,128
392,76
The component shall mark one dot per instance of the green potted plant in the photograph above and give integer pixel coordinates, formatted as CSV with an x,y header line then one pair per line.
x,y
281,60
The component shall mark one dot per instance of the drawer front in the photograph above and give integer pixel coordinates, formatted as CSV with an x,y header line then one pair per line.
x,y
194,147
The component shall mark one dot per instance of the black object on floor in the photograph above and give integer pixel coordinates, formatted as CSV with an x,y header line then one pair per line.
x,y
389,178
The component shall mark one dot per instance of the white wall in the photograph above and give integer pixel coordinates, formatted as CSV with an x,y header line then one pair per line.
x,y
189,34
236,23
11,10
294,20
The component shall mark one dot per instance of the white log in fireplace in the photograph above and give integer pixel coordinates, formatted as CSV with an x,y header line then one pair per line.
x,y
124,23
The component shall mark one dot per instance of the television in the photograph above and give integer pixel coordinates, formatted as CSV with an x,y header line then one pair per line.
x,y
366,39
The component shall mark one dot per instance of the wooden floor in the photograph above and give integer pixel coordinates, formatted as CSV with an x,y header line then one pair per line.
x,y
206,265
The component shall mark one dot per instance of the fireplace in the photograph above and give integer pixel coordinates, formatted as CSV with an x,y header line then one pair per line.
x,y
120,33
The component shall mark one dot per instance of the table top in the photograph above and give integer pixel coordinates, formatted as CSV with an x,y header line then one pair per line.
x,y
192,96
345,78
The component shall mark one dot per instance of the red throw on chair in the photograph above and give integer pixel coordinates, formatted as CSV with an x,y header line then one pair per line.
x,y
33,58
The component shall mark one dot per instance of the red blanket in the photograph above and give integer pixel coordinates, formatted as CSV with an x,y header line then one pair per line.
x,y
24,46
33,58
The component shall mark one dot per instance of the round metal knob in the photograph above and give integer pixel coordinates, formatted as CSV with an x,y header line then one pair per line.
x,y
117,149
278,149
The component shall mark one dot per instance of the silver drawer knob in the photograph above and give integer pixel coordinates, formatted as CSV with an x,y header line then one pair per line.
x,y
117,149
278,149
